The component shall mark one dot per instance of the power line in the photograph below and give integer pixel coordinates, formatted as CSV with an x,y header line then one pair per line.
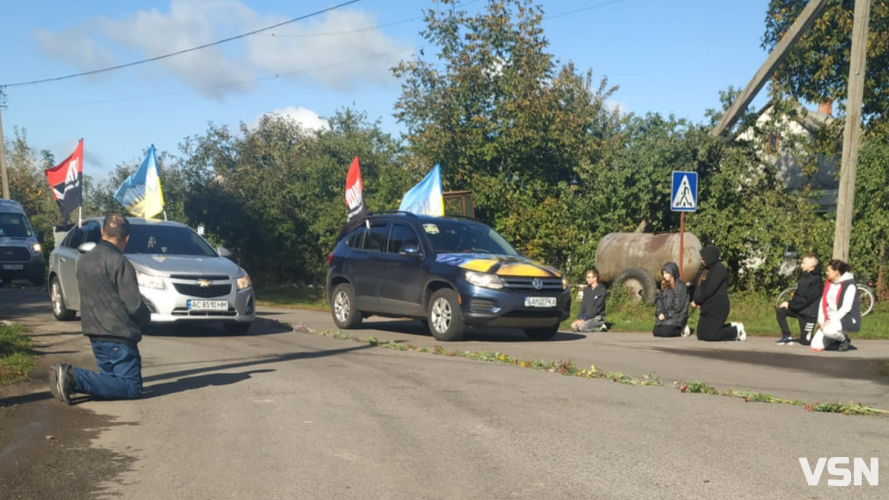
x,y
591,7
165,56
223,85
333,33
278,75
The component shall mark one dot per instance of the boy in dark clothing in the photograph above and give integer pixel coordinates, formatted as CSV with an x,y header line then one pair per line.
x,y
591,316
804,304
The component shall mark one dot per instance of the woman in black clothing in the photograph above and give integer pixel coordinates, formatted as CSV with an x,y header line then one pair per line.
x,y
671,314
711,296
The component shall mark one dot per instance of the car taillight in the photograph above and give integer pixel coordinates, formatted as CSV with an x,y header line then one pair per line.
x,y
330,257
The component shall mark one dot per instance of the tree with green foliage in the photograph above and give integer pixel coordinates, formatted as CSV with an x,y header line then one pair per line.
x,y
817,70
274,194
505,119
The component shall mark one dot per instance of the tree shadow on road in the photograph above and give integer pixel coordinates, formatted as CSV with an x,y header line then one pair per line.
x,y
198,382
192,384
205,330
833,366
17,303
413,327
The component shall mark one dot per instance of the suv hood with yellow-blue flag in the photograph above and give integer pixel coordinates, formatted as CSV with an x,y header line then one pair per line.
x,y
501,265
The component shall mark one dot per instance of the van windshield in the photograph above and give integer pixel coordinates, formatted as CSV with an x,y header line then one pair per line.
x,y
466,237
14,226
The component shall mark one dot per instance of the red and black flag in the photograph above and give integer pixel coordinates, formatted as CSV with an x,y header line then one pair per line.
x,y
354,200
66,181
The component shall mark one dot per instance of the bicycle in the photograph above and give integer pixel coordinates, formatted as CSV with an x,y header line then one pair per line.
x,y
865,294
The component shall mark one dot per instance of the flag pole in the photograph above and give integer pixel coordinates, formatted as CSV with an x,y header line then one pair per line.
x,y
165,215
80,217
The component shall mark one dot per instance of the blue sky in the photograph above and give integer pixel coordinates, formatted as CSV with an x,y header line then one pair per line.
x,y
666,56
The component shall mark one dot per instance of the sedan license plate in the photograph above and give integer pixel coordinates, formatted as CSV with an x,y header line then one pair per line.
x,y
540,302
13,267
208,305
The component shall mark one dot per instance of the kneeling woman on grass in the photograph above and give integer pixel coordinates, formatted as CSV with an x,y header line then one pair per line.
x,y
711,295
671,314
840,309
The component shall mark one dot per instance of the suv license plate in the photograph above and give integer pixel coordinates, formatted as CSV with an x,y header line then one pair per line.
x,y
13,267
208,305
540,302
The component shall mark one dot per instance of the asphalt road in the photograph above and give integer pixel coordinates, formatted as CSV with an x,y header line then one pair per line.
x,y
279,414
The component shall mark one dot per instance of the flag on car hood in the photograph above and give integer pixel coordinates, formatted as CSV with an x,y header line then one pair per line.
x,y
66,181
425,198
354,200
141,193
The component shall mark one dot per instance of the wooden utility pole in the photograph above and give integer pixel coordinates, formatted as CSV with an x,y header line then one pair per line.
x,y
852,133
802,23
3,177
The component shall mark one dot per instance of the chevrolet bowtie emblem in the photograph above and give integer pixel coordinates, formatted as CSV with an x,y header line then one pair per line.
x,y
204,283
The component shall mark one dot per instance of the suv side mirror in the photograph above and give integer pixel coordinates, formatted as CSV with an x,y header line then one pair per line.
x,y
86,247
40,237
223,252
410,251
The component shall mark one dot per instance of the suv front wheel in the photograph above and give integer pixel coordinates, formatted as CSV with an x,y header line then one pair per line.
x,y
444,316
342,307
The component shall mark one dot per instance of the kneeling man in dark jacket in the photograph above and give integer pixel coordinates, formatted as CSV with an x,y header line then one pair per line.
x,y
112,312
804,304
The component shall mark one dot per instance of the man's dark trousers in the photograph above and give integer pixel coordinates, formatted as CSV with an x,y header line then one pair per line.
x,y
806,324
120,372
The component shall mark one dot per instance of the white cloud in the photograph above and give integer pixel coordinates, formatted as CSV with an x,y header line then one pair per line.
x,y
618,106
217,70
305,117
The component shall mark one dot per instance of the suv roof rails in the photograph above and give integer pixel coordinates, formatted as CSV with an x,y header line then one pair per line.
x,y
392,212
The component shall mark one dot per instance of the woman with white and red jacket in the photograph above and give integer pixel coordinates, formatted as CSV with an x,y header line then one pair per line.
x,y
839,312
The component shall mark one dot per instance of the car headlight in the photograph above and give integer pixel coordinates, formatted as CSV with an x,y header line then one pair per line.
x,y
564,283
244,282
484,280
36,248
149,281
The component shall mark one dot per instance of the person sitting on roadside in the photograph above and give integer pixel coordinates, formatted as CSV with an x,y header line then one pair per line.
x,y
711,296
840,310
591,316
804,304
671,313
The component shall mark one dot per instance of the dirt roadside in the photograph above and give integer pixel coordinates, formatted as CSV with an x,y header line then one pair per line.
x,y
45,445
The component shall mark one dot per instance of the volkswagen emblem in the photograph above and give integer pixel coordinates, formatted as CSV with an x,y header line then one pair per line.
x,y
537,283
205,283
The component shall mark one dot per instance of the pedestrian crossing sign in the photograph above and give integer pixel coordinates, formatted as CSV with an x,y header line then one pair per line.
x,y
684,196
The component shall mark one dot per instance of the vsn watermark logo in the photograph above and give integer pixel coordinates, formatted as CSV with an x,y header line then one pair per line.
x,y
835,467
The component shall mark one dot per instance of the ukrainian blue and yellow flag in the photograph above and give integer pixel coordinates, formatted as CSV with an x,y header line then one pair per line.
x,y
141,193
426,197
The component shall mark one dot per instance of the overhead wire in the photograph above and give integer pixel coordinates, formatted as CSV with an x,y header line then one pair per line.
x,y
180,52
290,73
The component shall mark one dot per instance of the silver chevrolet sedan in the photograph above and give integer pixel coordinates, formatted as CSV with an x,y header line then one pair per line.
x,y
181,277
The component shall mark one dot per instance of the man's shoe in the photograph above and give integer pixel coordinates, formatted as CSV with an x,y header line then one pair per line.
x,y
61,382
844,345
686,332
785,340
55,382
64,379
742,334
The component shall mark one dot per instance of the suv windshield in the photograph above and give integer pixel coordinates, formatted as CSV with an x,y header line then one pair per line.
x,y
466,237
14,226
167,240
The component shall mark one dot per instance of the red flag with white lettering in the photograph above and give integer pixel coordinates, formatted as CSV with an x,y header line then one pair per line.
x,y
354,199
66,181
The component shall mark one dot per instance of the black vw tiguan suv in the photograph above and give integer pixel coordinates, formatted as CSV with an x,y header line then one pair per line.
x,y
448,272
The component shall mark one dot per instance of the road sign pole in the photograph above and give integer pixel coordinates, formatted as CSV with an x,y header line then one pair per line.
x,y
681,243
